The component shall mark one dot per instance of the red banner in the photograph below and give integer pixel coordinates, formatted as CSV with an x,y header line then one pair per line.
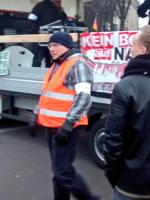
x,y
110,52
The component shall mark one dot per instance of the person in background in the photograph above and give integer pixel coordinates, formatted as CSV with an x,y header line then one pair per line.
x,y
144,10
43,13
63,15
62,110
127,140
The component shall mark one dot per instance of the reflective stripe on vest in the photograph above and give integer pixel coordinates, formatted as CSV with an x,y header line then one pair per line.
x,y
56,99
52,113
61,96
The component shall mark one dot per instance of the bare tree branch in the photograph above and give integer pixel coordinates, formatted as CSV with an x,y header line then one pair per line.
x,y
107,11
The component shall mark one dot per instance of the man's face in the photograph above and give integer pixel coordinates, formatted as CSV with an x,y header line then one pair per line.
x,y
137,48
56,50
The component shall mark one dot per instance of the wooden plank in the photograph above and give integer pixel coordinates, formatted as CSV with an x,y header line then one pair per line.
x,y
30,38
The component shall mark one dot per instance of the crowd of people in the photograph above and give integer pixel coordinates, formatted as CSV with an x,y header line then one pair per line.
x,y
65,102
126,148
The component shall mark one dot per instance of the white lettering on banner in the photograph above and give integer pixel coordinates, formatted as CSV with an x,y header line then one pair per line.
x,y
108,40
110,52
85,41
97,40
104,54
125,39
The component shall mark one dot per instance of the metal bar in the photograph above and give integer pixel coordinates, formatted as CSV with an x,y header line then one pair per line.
x,y
15,117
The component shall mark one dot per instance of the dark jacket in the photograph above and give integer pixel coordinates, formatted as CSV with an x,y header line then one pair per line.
x,y
143,8
127,142
47,12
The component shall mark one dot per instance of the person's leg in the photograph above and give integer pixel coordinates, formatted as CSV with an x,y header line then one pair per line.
x,y
64,173
48,57
38,55
60,192
77,184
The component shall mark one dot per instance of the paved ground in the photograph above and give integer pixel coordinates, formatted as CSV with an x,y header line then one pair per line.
x,y
25,167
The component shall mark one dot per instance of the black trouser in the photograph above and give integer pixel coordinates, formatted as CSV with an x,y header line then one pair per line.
x,y
66,180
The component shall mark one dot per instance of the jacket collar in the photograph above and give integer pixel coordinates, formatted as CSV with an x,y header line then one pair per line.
x,y
138,65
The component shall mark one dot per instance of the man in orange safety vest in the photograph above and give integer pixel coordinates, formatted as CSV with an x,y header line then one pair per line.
x,y
63,107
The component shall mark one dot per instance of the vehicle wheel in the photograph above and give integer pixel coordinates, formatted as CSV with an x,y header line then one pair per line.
x,y
96,139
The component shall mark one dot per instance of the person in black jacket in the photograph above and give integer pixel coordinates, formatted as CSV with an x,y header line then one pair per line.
x,y
127,140
47,11
43,13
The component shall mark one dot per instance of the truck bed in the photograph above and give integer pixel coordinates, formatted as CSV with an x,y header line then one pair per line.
x,y
23,80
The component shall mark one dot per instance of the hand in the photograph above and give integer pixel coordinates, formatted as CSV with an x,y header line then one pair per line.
x,y
62,137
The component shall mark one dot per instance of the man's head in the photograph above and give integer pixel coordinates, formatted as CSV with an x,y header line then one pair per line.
x,y
141,42
59,43
57,3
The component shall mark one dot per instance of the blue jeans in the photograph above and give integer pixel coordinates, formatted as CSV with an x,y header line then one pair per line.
x,y
118,196
66,180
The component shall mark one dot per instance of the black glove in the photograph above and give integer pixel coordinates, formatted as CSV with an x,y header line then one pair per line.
x,y
62,137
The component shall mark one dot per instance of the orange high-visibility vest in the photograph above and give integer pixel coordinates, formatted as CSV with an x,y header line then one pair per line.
x,y
56,99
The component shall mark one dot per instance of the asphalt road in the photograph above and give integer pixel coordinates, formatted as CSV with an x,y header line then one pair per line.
x,y
25,172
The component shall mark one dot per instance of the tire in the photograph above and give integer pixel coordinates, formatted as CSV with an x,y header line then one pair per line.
x,y
96,139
